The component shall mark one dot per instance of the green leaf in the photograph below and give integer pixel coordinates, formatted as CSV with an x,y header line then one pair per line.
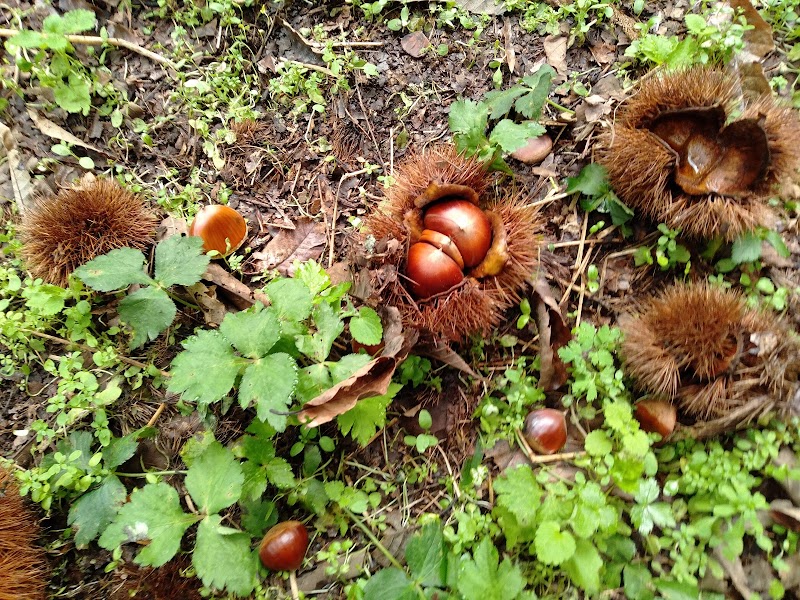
x,y
553,546
73,97
223,558
318,345
149,311
500,102
675,590
583,567
367,416
95,510
313,275
425,556
366,328
597,443
74,21
591,181
511,136
530,105
153,513
114,271
776,241
746,248
637,582
269,384
694,23
28,39
519,492
215,479
180,261
206,370
291,298
481,578
121,449
468,120
252,332
390,584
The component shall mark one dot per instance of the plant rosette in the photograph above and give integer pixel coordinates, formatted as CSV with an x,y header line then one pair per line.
x,y
687,151
460,254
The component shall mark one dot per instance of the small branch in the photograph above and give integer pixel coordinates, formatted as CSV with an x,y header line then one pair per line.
x,y
93,40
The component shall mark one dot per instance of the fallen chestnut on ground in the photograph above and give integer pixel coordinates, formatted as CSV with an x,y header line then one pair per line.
x,y
220,227
545,430
284,546
685,150
656,416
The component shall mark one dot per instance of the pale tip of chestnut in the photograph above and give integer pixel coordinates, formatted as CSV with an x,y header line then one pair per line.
x,y
656,416
284,546
220,227
535,150
545,430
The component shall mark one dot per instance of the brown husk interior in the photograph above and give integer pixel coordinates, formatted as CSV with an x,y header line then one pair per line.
x,y
475,306
702,348
641,167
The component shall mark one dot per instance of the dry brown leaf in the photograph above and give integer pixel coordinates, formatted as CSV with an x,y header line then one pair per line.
x,y
555,49
303,243
241,296
50,129
484,7
553,334
206,298
785,513
758,40
19,176
442,352
415,43
372,379
508,45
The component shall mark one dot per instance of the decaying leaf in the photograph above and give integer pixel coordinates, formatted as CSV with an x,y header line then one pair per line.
x,y
553,334
240,295
785,513
415,43
758,40
445,354
483,7
50,129
303,243
206,298
19,176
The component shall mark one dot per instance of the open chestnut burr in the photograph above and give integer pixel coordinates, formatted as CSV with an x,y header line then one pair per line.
x,y
701,348
678,155
465,254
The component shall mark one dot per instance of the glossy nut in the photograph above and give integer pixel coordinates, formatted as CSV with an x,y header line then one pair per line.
x,y
284,546
656,416
465,224
444,243
431,271
221,228
546,430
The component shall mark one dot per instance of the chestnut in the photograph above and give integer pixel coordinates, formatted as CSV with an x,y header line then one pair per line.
x,y
656,416
221,228
465,224
546,430
284,546
431,270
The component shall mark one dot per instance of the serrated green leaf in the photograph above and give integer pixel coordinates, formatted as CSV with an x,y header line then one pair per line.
x,y
675,590
279,473
255,481
618,414
252,332
553,546
28,39
291,298
776,241
591,181
148,311
390,584
74,96
468,117
583,567
153,513
530,105
366,328
180,261
367,416
481,578
637,582
313,276
597,443
120,450
95,510
519,492
73,21
425,556
269,383
329,326
114,271
746,248
511,136
500,102
223,559
258,516
206,370
215,479
346,366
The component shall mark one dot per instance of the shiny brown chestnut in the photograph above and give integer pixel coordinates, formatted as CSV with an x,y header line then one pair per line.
x,y
221,228
546,430
465,224
284,546
656,416
431,271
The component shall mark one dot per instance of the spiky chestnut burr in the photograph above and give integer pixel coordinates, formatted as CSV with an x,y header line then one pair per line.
x,y
22,563
702,348
674,156
475,304
62,232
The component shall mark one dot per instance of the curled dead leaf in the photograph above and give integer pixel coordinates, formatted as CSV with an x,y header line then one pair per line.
x,y
553,334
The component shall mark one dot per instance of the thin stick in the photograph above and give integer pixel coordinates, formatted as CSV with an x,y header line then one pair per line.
x,y
93,40
156,414
293,585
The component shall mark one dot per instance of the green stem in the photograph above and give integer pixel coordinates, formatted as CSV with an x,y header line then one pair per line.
x,y
180,300
151,473
559,107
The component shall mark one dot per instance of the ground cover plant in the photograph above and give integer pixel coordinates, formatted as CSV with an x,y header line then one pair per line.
x,y
394,300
